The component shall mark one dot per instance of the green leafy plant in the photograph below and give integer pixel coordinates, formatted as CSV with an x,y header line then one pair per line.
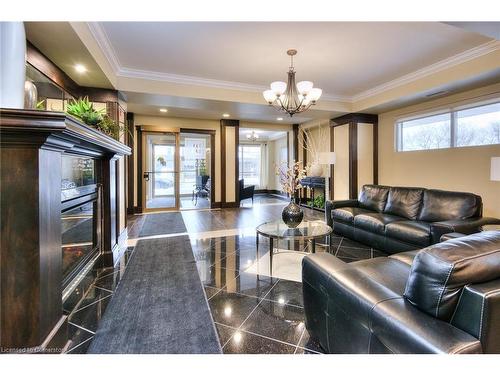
x,y
40,105
112,128
203,168
85,111
318,202
161,160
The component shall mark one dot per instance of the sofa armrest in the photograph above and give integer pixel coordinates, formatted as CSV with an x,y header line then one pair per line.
x,y
402,328
466,226
332,205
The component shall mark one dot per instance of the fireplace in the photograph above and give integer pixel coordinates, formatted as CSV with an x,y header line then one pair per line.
x,y
81,218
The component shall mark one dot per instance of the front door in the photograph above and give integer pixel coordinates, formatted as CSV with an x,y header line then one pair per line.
x,y
160,171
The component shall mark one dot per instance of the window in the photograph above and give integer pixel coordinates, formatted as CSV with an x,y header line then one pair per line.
x,y
474,126
478,126
249,156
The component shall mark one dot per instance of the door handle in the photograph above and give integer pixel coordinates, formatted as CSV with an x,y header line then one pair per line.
x,y
146,176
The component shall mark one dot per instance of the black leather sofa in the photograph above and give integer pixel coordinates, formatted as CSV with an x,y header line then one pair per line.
x,y
442,299
395,219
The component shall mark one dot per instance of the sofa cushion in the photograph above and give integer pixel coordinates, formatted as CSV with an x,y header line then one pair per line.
x,y
373,197
417,232
406,257
404,202
439,272
346,214
440,205
374,222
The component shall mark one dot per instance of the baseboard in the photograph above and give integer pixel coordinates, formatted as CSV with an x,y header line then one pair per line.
x,y
216,205
230,204
120,246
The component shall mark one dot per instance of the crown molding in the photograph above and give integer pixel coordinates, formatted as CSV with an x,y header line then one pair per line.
x,y
105,45
119,70
449,62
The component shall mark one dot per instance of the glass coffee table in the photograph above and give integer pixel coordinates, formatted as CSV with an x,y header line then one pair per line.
x,y
305,231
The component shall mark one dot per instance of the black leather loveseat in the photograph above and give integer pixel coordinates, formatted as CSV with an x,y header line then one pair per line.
x,y
442,299
396,219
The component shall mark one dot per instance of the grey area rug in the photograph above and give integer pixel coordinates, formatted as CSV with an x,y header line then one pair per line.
x,y
164,223
159,306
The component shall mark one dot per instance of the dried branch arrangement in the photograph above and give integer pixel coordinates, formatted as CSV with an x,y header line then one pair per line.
x,y
290,177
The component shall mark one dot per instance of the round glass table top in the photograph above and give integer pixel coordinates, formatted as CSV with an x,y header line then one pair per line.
x,y
305,230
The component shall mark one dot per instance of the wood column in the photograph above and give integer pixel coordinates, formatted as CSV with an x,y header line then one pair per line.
x,y
229,163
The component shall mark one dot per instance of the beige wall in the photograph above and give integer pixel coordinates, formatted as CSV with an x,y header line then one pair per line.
x,y
365,154
458,169
274,152
341,170
184,123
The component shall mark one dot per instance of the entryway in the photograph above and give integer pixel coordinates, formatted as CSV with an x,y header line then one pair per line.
x,y
177,168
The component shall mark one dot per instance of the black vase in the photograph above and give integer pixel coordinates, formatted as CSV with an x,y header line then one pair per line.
x,y
292,214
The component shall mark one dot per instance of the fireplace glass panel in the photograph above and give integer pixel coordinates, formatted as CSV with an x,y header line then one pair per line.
x,y
78,236
77,172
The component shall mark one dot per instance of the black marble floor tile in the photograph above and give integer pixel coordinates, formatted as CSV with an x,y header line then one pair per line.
x,y
216,276
231,309
210,292
354,252
90,316
224,333
247,343
281,322
76,295
77,336
110,281
251,285
307,343
287,292
82,347
346,242
93,295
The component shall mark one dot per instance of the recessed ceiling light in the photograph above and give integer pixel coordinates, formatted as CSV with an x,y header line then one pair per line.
x,y
226,115
80,68
164,110
280,119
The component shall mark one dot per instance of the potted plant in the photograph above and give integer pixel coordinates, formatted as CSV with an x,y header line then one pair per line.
x,y
84,110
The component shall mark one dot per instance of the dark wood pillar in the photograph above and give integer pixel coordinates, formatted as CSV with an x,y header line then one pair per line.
x,y
30,257
226,145
130,164
295,142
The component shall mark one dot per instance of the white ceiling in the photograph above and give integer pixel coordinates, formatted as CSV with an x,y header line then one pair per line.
x,y
264,135
343,58
204,69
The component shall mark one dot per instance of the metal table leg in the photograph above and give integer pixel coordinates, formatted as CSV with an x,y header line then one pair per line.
x,y
313,244
271,256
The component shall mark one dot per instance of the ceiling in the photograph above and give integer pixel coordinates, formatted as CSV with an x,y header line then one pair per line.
x,y
264,135
343,58
204,69
59,42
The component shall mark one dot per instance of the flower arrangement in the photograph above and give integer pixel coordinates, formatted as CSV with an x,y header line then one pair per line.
x,y
290,177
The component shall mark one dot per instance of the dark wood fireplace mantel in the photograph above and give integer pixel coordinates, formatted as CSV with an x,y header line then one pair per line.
x,y
32,144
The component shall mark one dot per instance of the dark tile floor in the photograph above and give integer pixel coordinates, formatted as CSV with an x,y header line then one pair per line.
x,y
255,313
252,313
84,317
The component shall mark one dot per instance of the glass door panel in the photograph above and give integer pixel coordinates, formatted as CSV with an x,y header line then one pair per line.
x,y
160,171
194,173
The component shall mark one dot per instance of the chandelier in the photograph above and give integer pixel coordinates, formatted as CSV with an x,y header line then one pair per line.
x,y
290,97
253,136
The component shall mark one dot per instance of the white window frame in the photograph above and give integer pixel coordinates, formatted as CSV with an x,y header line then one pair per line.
x,y
453,124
